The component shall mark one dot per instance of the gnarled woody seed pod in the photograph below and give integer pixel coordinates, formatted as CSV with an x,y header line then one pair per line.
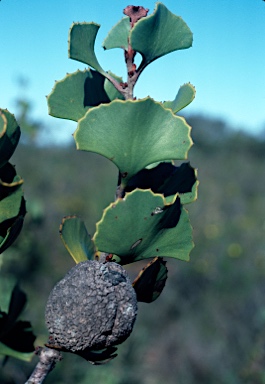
x,y
94,306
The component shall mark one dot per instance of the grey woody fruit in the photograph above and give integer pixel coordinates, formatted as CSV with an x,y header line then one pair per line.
x,y
93,307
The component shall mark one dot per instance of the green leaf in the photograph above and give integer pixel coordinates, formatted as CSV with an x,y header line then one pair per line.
x,y
133,134
118,35
77,92
6,351
143,225
67,98
151,280
185,96
168,180
11,227
82,38
9,135
159,34
10,205
76,239
14,227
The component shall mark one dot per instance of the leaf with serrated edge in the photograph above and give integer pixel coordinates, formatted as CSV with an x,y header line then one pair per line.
x,y
143,225
140,133
151,280
72,96
185,96
163,33
66,100
82,38
118,35
76,239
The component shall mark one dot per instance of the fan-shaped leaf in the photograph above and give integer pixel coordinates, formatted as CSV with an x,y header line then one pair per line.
x,y
151,280
138,133
77,92
82,38
184,97
143,225
76,239
159,34
118,35
68,96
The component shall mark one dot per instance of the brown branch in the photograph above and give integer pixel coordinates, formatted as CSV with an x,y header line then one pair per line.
x,y
126,89
47,360
135,13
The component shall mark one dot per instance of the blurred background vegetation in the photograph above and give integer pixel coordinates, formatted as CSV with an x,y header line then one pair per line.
x,y
208,326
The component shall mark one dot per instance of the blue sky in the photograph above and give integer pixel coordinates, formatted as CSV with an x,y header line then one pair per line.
x,y
226,63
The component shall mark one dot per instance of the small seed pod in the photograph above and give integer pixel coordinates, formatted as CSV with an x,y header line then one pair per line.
x,y
93,307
